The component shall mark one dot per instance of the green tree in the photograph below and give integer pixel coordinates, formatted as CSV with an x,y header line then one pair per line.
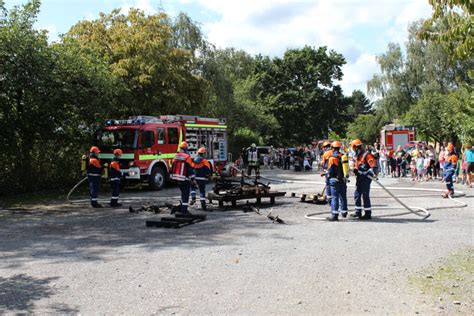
x,y
299,92
158,77
366,127
457,33
359,104
444,117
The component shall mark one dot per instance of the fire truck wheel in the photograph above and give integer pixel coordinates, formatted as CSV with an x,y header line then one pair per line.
x,y
157,179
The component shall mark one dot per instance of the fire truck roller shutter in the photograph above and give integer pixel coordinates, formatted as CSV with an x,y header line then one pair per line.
x,y
157,174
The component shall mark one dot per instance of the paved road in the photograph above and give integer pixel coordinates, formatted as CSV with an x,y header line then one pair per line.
x,y
72,259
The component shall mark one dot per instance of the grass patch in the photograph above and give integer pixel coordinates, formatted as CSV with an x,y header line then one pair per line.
x,y
452,280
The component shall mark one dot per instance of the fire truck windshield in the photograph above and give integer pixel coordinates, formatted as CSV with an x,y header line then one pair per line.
x,y
119,138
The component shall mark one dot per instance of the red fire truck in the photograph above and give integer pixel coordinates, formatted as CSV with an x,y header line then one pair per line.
x,y
149,144
393,135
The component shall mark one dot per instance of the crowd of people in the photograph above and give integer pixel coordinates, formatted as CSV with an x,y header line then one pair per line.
x,y
421,161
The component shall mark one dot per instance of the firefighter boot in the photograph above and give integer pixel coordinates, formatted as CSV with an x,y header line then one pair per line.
x,y
203,205
356,215
333,218
344,214
367,215
115,204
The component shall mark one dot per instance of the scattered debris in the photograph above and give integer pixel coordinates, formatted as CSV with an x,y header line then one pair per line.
x,y
275,218
178,221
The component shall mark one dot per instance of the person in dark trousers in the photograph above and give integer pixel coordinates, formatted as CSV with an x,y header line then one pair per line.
x,y
450,165
337,184
115,176
202,171
253,163
94,174
365,166
182,171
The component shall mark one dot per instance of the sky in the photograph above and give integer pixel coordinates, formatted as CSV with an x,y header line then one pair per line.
x,y
359,29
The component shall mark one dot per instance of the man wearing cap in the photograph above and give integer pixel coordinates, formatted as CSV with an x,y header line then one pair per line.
x,y
183,172
115,176
94,173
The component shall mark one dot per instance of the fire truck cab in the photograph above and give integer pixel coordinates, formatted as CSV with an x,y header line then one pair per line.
x,y
149,144
393,135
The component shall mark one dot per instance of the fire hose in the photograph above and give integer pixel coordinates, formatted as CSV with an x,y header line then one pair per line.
x,y
74,188
419,211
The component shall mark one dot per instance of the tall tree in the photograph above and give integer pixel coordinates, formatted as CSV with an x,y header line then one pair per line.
x,y
300,93
139,48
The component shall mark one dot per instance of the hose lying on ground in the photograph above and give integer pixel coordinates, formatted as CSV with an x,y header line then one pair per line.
x,y
419,211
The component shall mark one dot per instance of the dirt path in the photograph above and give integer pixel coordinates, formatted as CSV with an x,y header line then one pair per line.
x,y
65,259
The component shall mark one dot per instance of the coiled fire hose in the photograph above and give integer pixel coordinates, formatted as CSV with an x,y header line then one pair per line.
x,y
419,211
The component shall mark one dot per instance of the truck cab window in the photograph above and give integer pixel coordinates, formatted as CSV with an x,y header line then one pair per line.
x,y
173,137
148,139
160,132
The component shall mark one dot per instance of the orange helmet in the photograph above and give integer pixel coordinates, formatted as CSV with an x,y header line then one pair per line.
x,y
118,151
183,145
201,150
336,144
450,147
356,142
326,143
94,149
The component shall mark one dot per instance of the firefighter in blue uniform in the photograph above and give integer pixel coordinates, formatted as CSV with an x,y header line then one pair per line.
x,y
365,167
202,171
115,177
337,184
450,164
327,153
94,174
183,172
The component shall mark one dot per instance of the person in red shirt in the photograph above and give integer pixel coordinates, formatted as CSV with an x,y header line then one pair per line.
x,y
364,168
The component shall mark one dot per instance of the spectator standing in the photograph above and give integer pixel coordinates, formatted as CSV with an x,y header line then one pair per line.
x,y
420,164
470,164
383,159
441,159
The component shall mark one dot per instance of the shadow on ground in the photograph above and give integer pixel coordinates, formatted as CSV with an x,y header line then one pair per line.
x,y
19,292
86,234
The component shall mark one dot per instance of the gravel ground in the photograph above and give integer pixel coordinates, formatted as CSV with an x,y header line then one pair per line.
x,y
72,259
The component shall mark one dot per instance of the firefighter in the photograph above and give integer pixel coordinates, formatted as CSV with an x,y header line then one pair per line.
x,y
450,164
115,177
94,174
365,166
252,160
202,170
183,172
327,153
337,183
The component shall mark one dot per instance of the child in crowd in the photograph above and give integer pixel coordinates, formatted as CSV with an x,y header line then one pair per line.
x,y
420,165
